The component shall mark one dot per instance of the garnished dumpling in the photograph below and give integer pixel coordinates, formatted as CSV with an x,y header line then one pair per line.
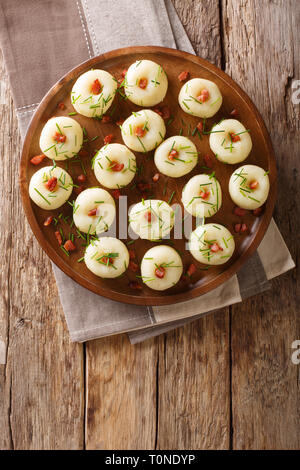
x,y
200,97
230,141
93,93
107,257
114,166
161,267
151,219
176,156
249,186
143,131
146,83
94,211
61,138
202,195
50,187
211,244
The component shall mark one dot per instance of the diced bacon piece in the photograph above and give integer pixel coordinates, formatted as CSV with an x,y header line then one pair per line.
x,y
48,221
139,131
149,216
51,184
258,211
116,193
37,159
183,76
131,254
234,137
158,111
116,166
135,285
120,122
244,228
204,194
160,272
108,138
124,71
234,113
106,118
107,260
200,126
133,266
61,106
173,154
59,138
58,237
239,211
237,228
92,212
208,161
215,247
143,186
69,246
96,87
204,96
191,269
143,82
81,178
155,178
165,112
253,184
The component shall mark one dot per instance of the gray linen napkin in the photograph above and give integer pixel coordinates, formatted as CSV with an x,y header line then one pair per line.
x,y
41,43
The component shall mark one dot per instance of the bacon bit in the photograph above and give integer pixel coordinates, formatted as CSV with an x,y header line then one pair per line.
x,y
108,138
131,254
133,266
208,161
83,153
59,137
143,82
204,194
244,228
143,186
79,189
116,193
234,137
200,126
253,184
106,118
239,211
124,71
96,87
51,184
173,154
191,270
258,211
107,260
69,246
115,166
92,212
58,238
61,105
158,111
81,178
183,76
204,96
165,112
149,216
234,113
135,285
237,228
160,272
120,122
215,247
48,221
37,159
139,131
120,82
155,178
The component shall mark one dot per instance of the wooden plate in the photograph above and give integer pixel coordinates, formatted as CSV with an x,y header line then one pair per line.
x,y
262,154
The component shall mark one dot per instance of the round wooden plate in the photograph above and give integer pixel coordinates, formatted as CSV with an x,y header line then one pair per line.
x,y
174,62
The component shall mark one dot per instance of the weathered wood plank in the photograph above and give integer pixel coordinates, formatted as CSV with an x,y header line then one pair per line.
x,y
41,384
193,387
261,41
121,394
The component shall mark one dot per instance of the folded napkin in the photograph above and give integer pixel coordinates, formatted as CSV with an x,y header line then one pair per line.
x,y
40,44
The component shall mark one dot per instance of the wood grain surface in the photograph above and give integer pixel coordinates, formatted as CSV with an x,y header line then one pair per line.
x,y
226,381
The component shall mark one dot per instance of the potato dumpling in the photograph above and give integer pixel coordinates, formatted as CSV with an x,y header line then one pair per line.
x,y
93,93
146,83
114,166
249,186
161,267
50,187
211,244
143,131
151,219
94,211
200,97
230,141
107,257
61,138
202,196
176,156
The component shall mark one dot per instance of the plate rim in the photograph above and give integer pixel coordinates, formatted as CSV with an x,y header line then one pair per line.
x,y
63,265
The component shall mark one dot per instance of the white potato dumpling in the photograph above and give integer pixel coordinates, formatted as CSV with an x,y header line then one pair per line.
x,y
146,83
94,211
143,131
200,97
161,267
230,141
211,244
176,156
50,187
93,93
151,219
249,187
107,257
202,196
114,166
61,138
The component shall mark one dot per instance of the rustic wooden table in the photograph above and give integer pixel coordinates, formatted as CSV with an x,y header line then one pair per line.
x,y
226,381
